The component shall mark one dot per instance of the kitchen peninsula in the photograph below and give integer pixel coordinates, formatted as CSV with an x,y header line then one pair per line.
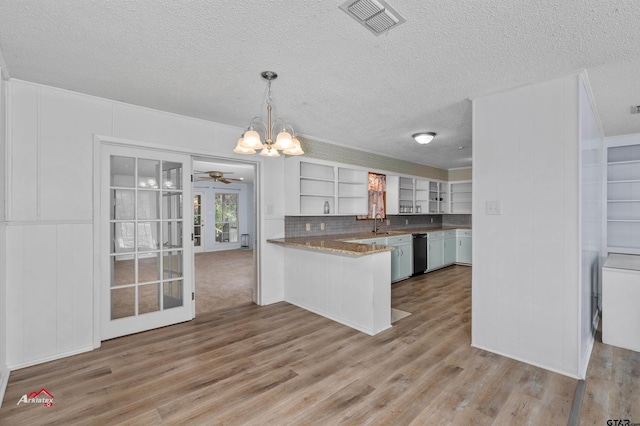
x,y
347,282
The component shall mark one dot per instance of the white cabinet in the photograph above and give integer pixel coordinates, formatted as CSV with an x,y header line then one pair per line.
x,y
406,195
460,195
449,247
401,257
435,250
463,252
623,199
312,187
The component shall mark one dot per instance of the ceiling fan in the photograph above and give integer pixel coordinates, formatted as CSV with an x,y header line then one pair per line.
x,y
217,177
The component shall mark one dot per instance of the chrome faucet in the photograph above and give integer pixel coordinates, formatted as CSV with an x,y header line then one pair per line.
x,y
375,222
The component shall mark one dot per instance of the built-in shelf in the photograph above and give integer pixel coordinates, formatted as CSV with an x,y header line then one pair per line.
x,y
311,185
623,199
460,193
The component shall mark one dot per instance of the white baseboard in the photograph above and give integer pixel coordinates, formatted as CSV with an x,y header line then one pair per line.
x,y
535,364
50,358
4,380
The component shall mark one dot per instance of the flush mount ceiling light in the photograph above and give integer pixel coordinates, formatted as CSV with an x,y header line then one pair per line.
x,y
286,140
424,137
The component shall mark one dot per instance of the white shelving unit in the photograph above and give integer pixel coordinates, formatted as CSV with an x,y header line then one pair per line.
x,y
311,184
416,196
623,199
460,193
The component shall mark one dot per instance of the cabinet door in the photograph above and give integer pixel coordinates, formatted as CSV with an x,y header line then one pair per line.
x,y
449,250
405,261
464,250
435,253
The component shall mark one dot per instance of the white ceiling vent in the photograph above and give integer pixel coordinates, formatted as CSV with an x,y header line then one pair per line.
x,y
375,15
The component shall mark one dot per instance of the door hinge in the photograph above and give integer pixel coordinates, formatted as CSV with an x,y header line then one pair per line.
x,y
192,236
193,295
191,178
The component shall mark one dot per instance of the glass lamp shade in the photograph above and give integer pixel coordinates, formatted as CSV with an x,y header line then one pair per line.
x,y
424,138
241,149
283,141
269,152
295,148
251,140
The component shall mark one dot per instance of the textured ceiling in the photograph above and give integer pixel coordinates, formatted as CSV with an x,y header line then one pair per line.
x,y
337,81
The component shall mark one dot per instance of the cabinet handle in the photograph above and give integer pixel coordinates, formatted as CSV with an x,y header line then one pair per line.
x,y
460,242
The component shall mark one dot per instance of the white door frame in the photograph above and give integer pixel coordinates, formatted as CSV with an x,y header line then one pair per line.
x,y
98,141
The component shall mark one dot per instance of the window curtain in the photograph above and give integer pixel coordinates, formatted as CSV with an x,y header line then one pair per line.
x,y
377,188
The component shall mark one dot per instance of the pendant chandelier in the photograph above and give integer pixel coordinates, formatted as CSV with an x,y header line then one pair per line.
x,y
285,141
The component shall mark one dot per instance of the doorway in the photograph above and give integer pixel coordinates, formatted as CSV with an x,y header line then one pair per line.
x,y
225,271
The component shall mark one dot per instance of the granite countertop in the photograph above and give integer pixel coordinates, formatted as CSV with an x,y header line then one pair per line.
x,y
339,243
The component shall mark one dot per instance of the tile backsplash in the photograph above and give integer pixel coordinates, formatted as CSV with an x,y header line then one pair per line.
x,y
295,226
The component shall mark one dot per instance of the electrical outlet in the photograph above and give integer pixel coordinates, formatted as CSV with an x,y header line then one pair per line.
x,y
431,220
322,226
406,221
388,222
308,227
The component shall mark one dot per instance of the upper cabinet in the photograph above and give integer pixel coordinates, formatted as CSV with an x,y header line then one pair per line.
x,y
316,188
460,193
407,195
623,199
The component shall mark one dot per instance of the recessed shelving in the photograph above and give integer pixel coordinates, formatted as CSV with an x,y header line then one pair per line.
x,y
623,199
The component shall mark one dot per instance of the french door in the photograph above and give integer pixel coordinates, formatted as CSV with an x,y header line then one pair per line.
x,y
146,254
198,221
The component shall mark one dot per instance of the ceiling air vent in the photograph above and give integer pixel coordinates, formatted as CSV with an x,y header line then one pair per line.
x,y
375,15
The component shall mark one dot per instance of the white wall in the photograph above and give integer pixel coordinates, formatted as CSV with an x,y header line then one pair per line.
x,y
50,169
526,261
591,234
4,372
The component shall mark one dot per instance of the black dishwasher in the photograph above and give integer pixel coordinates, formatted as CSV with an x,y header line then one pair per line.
x,y
419,253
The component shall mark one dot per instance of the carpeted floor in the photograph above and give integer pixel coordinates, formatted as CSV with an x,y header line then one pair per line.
x,y
224,279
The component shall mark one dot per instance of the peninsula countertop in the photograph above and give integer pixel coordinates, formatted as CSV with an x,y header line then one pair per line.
x,y
339,243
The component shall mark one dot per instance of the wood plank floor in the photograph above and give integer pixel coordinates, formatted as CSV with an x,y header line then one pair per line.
x,y
281,365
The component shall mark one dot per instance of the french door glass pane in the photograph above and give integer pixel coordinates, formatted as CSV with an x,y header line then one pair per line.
x,y
171,175
122,204
148,267
172,264
171,205
226,218
123,302
148,173
123,172
172,232
148,205
148,298
123,237
172,294
123,271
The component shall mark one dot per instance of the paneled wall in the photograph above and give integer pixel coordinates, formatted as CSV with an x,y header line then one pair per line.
x,y
527,285
4,372
49,236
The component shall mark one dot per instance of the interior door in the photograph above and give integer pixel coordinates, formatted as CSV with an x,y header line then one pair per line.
x,y
147,268
198,221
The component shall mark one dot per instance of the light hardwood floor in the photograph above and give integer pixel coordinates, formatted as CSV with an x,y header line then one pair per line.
x,y
281,365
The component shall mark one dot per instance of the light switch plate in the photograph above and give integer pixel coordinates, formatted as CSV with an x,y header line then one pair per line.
x,y
494,207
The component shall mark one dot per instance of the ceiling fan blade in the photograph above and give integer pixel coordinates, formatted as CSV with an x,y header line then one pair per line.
x,y
223,180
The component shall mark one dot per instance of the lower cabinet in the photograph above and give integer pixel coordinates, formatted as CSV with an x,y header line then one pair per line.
x,y
435,250
449,247
463,246
401,257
